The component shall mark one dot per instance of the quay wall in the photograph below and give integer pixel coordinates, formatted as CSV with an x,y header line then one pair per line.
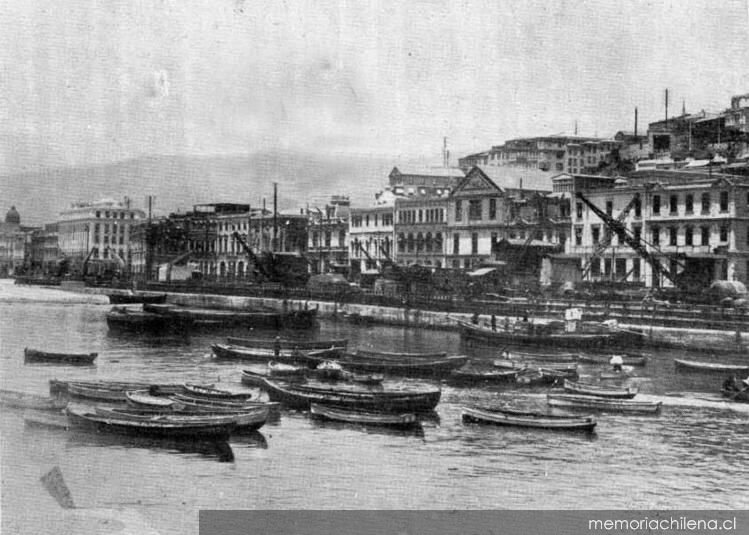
x,y
692,338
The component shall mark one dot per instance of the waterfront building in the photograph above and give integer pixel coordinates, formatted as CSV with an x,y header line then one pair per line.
x,y
97,230
420,229
696,223
371,238
44,250
491,206
15,243
328,236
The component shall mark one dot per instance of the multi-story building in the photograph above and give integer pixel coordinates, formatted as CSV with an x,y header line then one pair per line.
x,y
420,230
737,116
371,238
695,223
99,229
328,236
44,249
490,206
15,243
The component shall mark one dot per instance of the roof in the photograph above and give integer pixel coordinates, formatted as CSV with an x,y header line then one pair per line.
x,y
444,172
506,176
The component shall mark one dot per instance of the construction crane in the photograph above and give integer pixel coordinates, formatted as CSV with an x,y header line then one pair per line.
x,y
625,236
259,265
606,241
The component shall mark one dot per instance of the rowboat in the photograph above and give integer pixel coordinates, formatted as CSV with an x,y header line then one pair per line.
x,y
300,397
627,359
589,389
408,419
568,368
693,365
333,371
414,367
286,343
471,376
248,419
22,400
107,388
98,393
603,404
133,298
545,357
82,416
509,417
286,356
75,359
542,335
192,404
539,377
214,393
368,353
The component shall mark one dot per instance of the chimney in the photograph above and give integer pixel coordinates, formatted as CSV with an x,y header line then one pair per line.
x,y
635,122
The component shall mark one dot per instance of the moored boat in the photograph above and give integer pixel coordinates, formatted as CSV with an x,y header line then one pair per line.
x,y
250,418
129,298
287,343
400,355
143,399
736,395
539,377
471,376
123,319
190,403
601,391
417,367
22,400
214,393
604,404
165,426
511,417
543,357
73,359
286,370
627,359
693,365
286,356
404,420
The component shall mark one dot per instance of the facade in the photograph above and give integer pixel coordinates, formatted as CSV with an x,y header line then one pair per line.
x,y
15,244
696,223
99,229
328,236
44,250
420,230
371,238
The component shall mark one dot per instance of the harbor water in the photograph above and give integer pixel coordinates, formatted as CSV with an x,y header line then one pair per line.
x,y
693,455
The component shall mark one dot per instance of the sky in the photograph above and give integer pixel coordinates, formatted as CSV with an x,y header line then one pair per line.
x,y
87,82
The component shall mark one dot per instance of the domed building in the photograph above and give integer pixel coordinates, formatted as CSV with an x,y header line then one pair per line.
x,y
14,243
13,217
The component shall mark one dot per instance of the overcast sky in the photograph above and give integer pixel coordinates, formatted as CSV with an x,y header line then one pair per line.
x,y
85,81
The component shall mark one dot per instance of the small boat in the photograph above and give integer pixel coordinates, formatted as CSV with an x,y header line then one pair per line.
x,y
97,393
164,426
693,365
214,393
627,359
736,395
135,297
603,404
192,404
589,389
217,318
568,368
22,400
414,367
546,357
252,418
108,390
286,370
286,343
368,353
471,376
539,377
142,399
408,419
123,319
75,359
511,417
287,356
301,396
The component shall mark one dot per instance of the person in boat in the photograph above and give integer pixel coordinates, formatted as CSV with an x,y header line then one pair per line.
x,y
732,383
617,362
494,322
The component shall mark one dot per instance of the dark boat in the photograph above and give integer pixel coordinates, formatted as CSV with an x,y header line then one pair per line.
x,y
473,376
214,393
286,356
135,298
216,318
543,335
693,365
107,390
417,367
543,357
163,426
287,343
22,400
73,359
248,419
301,396
516,418
627,359
194,404
406,420
540,377
588,389
604,404
139,321
399,355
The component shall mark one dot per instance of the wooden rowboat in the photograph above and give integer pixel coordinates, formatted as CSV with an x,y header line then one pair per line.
x,y
546,357
82,416
286,343
287,356
22,400
414,367
472,376
193,404
399,354
693,365
589,389
248,419
627,359
364,418
214,393
74,359
510,417
134,298
602,404
736,395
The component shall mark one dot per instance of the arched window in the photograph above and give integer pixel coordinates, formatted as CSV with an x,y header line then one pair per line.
x,y
410,243
419,242
429,242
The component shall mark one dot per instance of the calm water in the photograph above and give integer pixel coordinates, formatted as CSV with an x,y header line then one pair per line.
x,y
694,455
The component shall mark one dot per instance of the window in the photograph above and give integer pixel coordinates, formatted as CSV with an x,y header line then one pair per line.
x,y
609,207
579,209
410,243
656,205
637,231
493,243
421,216
595,267
341,238
327,239
492,208
656,237
673,204
596,232
474,210
689,203
98,213
401,243
315,239
458,210
438,242
705,203
723,201
474,243
638,207
723,233
366,220
705,236
456,243
578,236
106,214
688,235
636,269
607,267
673,233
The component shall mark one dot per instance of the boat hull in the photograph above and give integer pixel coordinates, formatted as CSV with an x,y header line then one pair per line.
x,y
710,367
603,404
70,359
403,421
484,416
585,389
476,333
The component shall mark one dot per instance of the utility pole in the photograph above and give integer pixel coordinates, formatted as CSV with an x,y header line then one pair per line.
x,y
262,229
149,258
275,217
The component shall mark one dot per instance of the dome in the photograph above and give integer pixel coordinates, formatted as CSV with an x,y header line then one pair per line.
x,y
13,217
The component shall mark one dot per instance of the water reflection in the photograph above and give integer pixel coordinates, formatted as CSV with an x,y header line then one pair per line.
x,y
416,430
250,439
